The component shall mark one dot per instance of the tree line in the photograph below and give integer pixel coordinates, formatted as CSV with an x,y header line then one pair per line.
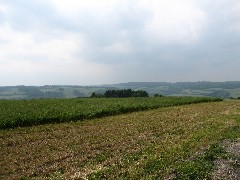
x,y
124,93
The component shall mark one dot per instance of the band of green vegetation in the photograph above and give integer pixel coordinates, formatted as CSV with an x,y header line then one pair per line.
x,y
20,113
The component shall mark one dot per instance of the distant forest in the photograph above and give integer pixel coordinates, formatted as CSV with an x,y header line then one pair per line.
x,y
124,93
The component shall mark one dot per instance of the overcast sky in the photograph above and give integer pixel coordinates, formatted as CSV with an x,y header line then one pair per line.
x,y
90,42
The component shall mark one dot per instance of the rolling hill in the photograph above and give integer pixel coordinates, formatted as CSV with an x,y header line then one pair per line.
x,y
229,89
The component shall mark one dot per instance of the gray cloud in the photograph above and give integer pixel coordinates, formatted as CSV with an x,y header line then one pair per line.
x,y
132,43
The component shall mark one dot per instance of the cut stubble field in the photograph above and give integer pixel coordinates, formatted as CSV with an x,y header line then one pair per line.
x,y
151,144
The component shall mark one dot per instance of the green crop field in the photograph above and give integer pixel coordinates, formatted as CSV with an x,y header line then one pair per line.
x,y
19,113
179,142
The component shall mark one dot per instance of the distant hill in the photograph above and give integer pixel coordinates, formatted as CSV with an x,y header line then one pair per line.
x,y
216,89
229,89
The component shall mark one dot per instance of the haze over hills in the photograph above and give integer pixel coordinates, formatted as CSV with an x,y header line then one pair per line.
x,y
229,89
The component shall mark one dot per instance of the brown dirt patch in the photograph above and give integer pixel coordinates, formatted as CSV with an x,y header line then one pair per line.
x,y
228,168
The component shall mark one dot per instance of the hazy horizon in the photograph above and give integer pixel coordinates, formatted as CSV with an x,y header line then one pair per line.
x,y
108,84
57,42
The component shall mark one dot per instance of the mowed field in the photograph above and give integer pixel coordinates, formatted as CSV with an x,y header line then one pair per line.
x,y
179,142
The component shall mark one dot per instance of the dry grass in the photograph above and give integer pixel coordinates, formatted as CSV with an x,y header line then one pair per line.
x,y
139,145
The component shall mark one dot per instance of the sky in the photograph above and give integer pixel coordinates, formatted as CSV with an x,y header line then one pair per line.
x,y
92,42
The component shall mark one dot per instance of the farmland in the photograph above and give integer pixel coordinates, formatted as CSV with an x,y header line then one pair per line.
x,y
179,142
19,113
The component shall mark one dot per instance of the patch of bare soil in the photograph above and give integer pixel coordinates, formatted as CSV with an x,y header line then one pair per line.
x,y
228,168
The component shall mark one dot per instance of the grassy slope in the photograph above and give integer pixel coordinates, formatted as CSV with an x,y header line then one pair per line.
x,y
140,145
